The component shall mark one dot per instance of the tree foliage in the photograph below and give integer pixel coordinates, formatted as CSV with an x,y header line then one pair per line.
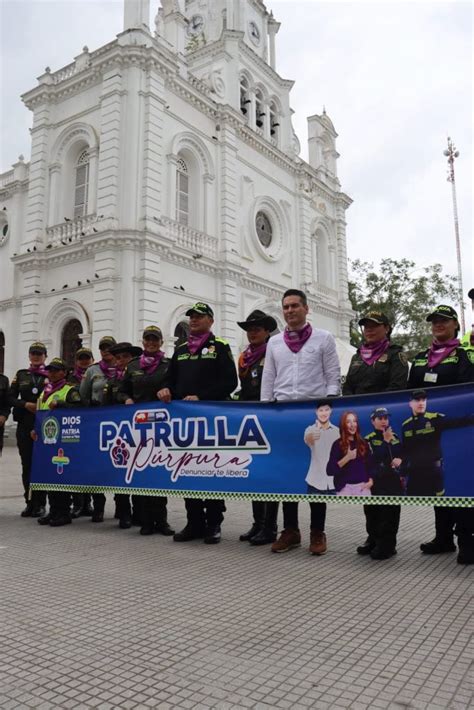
x,y
404,293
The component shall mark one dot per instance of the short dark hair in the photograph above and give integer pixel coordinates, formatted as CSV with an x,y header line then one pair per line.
x,y
296,292
323,403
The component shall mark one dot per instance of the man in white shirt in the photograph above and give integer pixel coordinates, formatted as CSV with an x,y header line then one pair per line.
x,y
301,363
320,437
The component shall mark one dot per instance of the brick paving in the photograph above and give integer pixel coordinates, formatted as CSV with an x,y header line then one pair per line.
x,y
97,617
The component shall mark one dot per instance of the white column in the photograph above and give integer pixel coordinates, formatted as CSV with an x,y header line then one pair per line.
x,y
92,193
54,196
136,13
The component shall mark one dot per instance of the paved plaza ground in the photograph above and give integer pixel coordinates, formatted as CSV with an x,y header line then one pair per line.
x,y
96,617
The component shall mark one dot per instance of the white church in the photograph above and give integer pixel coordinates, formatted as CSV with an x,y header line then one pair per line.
x,y
164,170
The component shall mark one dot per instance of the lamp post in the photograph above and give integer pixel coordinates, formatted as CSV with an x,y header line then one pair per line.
x,y
451,153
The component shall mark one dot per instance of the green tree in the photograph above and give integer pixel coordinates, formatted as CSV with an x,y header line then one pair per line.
x,y
404,293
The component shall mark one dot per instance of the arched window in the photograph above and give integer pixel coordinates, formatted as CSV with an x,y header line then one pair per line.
x,y
2,351
182,192
274,121
81,185
259,109
245,99
181,333
70,340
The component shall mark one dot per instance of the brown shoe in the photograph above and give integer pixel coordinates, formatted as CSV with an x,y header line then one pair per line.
x,y
287,541
318,545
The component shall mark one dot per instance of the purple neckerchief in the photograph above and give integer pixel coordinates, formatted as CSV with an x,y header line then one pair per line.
x,y
195,342
107,370
38,370
439,351
149,362
295,339
253,354
49,388
79,372
371,352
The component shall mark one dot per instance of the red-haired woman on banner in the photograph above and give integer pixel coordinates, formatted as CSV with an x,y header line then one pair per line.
x,y
351,460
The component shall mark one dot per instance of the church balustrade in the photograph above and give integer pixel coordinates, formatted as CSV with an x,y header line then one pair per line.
x,y
191,239
70,231
6,178
64,73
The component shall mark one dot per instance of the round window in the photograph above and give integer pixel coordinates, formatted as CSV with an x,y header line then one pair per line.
x,y
264,229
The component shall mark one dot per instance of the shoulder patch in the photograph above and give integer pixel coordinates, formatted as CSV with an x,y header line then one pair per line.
x,y
221,340
433,415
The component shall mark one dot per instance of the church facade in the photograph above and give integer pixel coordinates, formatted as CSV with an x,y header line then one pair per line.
x,y
164,170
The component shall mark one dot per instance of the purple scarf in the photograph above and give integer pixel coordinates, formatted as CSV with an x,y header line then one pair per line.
x,y
149,363
49,388
107,370
439,351
252,354
79,372
38,370
195,342
371,352
295,339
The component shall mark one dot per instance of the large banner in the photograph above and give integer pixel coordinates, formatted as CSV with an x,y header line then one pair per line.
x,y
410,447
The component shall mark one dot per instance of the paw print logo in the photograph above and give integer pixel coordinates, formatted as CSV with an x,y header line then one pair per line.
x,y
120,454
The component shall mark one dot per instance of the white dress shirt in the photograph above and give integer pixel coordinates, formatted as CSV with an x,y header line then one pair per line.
x,y
311,373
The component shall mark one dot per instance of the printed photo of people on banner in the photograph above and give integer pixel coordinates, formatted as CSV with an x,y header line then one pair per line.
x,y
407,446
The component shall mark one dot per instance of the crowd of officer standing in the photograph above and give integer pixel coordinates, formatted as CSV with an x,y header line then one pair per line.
x,y
300,363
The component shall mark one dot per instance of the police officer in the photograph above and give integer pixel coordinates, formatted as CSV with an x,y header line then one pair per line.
x,y
83,359
383,520
445,362
202,368
4,406
378,366
92,390
124,353
81,502
57,393
143,377
25,389
258,327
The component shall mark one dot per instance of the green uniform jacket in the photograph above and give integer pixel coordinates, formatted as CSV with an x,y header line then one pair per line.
x,y
139,386
208,374
25,387
389,372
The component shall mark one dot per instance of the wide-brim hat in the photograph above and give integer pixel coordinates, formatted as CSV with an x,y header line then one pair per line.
x,y
259,319
125,347
443,312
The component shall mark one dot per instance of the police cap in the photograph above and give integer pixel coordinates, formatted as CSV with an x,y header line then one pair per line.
x,y
380,412
126,347
152,331
376,317
83,353
57,363
38,348
443,312
202,309
418,394
106,342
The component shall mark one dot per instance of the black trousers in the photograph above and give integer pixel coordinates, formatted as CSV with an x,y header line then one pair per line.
x,y
99,502
153,510
25,448
459,521
204,514
59,504
382,523
290,514
123,505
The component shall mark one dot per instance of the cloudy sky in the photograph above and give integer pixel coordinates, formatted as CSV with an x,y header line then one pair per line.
x,y
395,78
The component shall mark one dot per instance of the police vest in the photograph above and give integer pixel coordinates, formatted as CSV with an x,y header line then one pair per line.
x,y
58,396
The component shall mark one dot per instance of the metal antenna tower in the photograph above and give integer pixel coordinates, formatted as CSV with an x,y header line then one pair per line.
x,y
451,153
